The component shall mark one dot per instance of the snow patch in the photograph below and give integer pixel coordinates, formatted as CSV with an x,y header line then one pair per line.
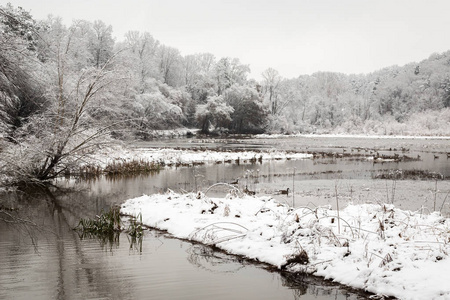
x,y
188,157
378,248
366,136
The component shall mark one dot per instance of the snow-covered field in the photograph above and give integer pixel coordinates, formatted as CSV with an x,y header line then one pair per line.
x,y
378,248
187,157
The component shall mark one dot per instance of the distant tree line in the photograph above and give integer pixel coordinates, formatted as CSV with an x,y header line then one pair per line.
x,y
409,100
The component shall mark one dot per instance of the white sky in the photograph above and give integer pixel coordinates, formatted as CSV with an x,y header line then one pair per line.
x,y
292,36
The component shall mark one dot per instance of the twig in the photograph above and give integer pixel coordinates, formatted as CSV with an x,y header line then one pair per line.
x,y
293,188
337,207
221,183
443,202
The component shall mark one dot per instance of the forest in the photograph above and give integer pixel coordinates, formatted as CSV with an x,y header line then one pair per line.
x,y
66,89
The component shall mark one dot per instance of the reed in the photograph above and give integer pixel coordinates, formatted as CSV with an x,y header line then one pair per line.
x,y
108,225
88,171
135,229
337,206
104,224
410,174
132,167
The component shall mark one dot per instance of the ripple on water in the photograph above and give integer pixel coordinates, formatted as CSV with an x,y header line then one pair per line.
x,y
65,267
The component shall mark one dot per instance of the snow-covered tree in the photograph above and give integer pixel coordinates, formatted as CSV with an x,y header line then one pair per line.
x,y
250,113
215,113
170,65
140,58
200,77
101,43
271,82
229,72
21,92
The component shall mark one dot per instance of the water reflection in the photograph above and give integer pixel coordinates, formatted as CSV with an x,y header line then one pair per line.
x,y
47,259
426,149
311,181
42,257
106,242
206,258
301,286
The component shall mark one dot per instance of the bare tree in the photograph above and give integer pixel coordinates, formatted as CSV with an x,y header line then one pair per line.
x,y
271,83
169,58
101,43
56,137
141,54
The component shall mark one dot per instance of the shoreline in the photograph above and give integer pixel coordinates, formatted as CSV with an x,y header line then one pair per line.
x,y
268,267
362,136
345,246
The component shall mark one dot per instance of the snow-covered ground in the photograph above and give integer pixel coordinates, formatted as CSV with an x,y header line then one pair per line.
x,y
365,136
375,247
187,157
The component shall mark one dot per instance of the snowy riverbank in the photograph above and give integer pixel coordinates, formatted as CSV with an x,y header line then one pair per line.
x,y
374,247
352,136
188,157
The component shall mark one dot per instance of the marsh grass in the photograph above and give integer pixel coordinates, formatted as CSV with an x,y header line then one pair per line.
x,y
409,174
135,233
135,229
124,168
103,224
88,171
107,227
132,167
300,257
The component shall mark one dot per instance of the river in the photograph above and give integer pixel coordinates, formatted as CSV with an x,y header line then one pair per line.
x,y
43,258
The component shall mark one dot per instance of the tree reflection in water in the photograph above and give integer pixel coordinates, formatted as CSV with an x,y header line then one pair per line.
x,y
44,218
216,261
303,284
208,259
82,268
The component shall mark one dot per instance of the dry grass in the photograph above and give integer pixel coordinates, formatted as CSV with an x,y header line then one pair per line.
x,y
131,167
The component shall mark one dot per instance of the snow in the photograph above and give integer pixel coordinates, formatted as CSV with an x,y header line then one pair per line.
x,y
187,157
366,136
375,247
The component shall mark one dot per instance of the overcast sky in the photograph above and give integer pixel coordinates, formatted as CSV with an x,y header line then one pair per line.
x,y
292,36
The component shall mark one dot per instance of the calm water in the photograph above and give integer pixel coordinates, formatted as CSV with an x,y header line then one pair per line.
x,y
433,153
47,260
316,180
